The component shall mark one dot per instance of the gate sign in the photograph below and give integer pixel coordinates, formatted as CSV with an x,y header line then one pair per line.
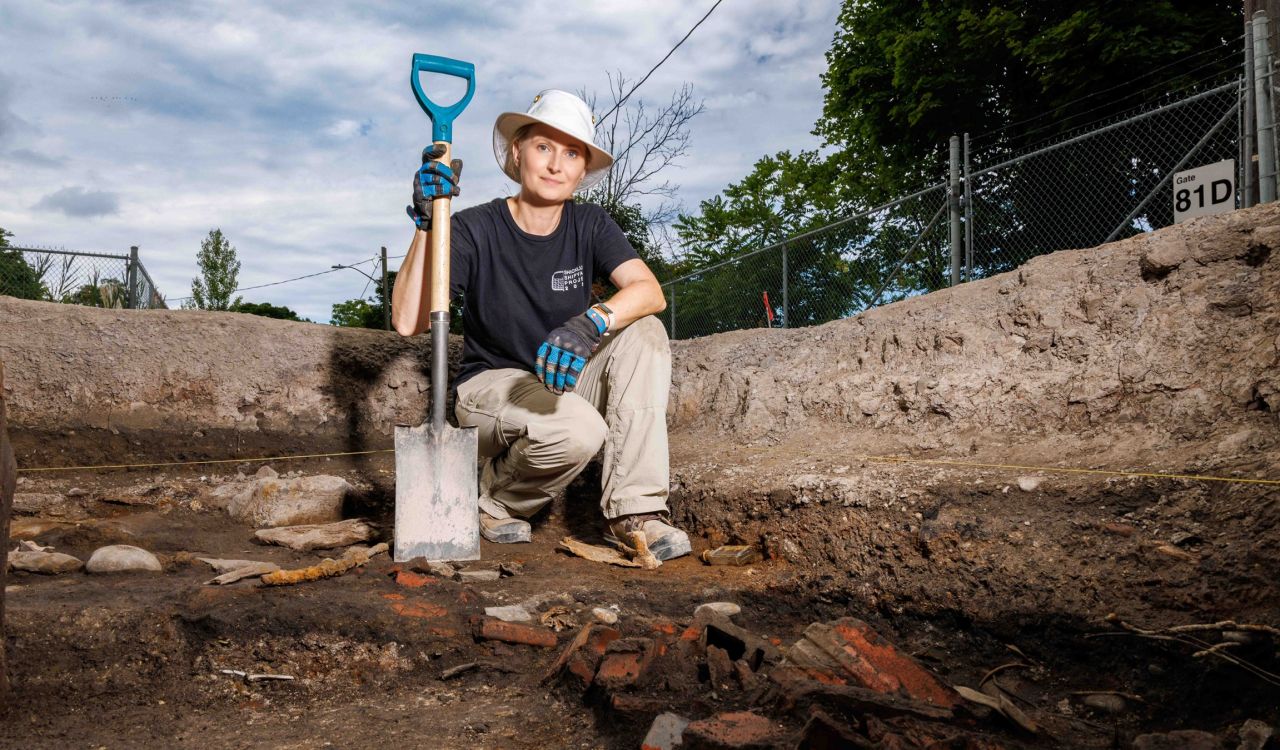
x,y
1204,191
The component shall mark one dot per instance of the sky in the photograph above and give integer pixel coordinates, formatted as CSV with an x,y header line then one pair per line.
x,y
291,126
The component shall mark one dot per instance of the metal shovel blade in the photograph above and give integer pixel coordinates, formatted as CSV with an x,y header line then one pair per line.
x,y
437,503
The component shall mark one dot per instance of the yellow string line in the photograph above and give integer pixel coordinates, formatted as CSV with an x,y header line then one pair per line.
x,y
881,459
211,461
1062,470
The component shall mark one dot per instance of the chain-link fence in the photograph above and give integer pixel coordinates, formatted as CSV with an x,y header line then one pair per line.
x,y
891,252
1111,182
93,279
1082,190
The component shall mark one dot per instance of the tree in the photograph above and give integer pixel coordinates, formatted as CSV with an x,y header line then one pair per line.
x,y
266,310
17,277
368,313
644,143
219,274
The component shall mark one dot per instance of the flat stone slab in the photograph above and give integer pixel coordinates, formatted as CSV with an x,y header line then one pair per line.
x,y
307,537
48,563
122,558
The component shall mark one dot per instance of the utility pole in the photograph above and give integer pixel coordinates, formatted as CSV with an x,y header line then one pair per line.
x,y
386,293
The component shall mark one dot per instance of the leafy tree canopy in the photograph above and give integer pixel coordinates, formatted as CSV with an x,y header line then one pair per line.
x,y
17,277
266,310
219,274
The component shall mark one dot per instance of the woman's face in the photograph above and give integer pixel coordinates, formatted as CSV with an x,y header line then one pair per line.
x,y
551,164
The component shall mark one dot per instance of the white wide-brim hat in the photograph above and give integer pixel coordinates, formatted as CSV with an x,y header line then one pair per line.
x,y
562,111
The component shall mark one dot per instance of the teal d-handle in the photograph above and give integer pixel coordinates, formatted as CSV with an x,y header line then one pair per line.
x,y
442,117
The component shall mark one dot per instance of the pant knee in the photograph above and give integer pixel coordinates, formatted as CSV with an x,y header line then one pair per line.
x,y
586,439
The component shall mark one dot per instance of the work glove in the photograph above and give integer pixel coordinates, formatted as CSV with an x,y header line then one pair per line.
x,y
566,351
434,180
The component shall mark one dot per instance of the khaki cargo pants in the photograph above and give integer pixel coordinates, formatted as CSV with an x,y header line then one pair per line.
x,y
536,442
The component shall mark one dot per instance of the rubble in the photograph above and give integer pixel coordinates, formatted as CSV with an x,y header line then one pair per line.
x,y
48,563
491,629
269,501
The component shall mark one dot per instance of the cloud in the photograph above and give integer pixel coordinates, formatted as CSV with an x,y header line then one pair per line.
x,y
80,203
31,158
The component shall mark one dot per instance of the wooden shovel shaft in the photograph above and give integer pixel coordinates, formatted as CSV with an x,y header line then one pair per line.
x,y
440,212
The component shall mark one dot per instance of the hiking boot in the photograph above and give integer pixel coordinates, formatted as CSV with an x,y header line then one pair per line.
x,y
505,530
665,541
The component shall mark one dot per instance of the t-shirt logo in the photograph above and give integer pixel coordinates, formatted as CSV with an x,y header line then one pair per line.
x,y
563,281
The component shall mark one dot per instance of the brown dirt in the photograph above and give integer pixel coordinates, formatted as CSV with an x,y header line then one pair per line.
x,y
1154,355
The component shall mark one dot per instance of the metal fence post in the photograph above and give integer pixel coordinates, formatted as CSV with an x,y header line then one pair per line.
x,y
131,279
1249,136
1262,110
785,301
386,295
953,198
968,215
673,311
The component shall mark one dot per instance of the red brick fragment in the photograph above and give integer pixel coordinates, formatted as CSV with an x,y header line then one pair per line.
x,y
852,649
624,662
394,597
493,629
414,580
1119,529
737,730
425,610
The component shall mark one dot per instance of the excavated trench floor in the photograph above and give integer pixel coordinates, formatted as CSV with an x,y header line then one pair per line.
x,y
962,569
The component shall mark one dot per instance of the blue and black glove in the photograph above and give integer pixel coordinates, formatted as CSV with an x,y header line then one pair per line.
x,y
567,349
434,180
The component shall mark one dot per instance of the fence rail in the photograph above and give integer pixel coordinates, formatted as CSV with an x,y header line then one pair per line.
x,y
72,277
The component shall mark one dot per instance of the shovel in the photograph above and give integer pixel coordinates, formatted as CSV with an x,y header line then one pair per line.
x,y
437,507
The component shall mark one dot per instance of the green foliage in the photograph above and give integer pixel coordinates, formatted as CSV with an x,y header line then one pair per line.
x,y
266,310
367,313
98,293
17,277
219,274
903,76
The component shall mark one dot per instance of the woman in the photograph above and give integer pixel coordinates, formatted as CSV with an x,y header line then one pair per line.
x,y
547,378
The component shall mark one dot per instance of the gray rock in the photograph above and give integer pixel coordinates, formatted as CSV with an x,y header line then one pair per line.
x,y
1183,739
510,613
666,732
122,558
1254,735
289,502
1166,253
307,537
727,609
42,504
604,615
1105,702
252,570
49,563
468,576
266,472
220,565
1029,484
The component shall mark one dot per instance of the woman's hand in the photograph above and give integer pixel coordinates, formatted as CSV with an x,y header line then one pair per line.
x,y
434,180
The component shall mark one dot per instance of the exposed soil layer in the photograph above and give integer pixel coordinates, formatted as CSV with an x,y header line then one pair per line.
x,y
981,474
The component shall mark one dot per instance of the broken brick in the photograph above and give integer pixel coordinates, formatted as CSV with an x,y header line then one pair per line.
x,y
492,629
800,690
624,662
580,658
425,610
414,580
737,642
850,648
719,668
822,732
736,730
633,705
394,597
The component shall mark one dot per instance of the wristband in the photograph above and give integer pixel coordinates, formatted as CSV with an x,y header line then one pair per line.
x,y
602,316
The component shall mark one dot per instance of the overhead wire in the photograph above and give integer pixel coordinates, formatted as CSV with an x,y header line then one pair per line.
x,y
660,62
286,281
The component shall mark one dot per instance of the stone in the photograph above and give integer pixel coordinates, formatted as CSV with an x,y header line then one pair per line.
x,y
665,732
289,502
266,472
318,536
1105,702
1254,735
122,558
48,563
220,565
432,567
252,570
509,613
1029,484
726,609
1164,254
604,615
740,730
44,504
472,576
1182,739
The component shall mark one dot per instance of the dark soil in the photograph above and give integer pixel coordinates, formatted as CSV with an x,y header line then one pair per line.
x,y
966,577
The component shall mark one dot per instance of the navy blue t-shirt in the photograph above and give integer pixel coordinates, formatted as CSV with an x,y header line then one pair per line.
x,y
517,286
